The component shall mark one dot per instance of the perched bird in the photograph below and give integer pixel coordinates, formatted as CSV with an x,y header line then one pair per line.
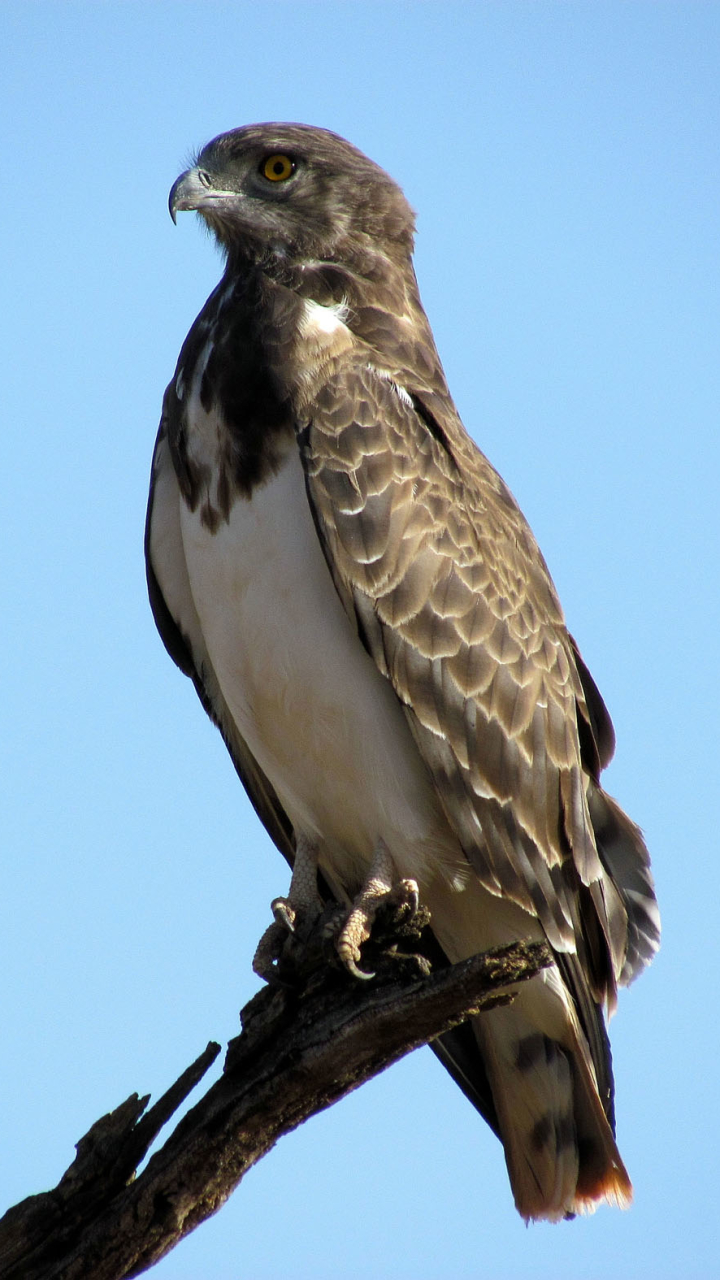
x,y
367,618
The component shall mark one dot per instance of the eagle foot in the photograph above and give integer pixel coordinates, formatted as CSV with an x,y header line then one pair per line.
x,y
268,952
288,935
295,917
300,943
399,904
385,914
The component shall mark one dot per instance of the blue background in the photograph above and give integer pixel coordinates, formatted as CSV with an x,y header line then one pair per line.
x,y
563,160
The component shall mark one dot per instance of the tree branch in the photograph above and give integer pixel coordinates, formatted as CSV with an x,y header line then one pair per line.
x,y
301,1049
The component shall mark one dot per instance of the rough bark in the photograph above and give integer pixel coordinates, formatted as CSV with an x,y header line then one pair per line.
x,y
302,1048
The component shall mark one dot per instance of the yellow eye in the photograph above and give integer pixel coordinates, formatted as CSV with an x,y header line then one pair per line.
x,y
277,168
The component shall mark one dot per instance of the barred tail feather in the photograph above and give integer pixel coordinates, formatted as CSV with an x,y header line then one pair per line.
x,y
531,1082
543,1075
559,1147
624,855
602,1176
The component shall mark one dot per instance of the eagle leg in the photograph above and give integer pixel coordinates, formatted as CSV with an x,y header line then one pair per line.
x,y
303,903
379,889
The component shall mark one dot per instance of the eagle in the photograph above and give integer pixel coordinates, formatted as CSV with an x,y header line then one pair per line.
x,y
367,618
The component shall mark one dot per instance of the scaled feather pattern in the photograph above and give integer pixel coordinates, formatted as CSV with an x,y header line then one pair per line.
x,y
366,616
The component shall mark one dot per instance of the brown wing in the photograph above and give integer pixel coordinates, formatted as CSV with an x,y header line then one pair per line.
x,y
455,604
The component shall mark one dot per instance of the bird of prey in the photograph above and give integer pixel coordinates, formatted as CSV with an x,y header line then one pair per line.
x,y
368,619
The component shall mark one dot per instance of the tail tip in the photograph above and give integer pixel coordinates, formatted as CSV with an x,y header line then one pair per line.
x,y
612,1187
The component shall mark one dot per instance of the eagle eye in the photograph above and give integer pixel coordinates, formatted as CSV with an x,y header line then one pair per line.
x,y
277,167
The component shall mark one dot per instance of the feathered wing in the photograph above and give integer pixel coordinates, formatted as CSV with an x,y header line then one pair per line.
x,y
453,601
455,604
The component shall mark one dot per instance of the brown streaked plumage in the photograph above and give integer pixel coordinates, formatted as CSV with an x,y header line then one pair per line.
x,y
367,617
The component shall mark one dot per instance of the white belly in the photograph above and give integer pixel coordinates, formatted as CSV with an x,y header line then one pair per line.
x,y
323,724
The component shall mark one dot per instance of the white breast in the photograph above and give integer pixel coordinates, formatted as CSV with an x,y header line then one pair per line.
x,y
321,721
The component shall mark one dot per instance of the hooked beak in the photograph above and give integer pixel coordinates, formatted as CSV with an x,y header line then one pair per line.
x,y
194,190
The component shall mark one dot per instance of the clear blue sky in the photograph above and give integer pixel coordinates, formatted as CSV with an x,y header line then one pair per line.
x,y
563,160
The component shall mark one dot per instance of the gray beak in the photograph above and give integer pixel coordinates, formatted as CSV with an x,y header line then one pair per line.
x,y
194,190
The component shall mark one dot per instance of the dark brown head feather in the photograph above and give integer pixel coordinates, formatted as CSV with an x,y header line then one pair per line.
x,y
334,194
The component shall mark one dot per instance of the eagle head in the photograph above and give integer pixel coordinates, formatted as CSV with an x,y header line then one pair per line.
x,y
294,191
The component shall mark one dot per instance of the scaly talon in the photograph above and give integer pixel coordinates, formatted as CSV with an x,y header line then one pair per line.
x,y
354,932
378,889
407,894
295,915
268,951
302,905
284,913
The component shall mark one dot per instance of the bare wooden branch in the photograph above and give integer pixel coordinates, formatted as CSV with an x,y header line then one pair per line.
x,y
301,1049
